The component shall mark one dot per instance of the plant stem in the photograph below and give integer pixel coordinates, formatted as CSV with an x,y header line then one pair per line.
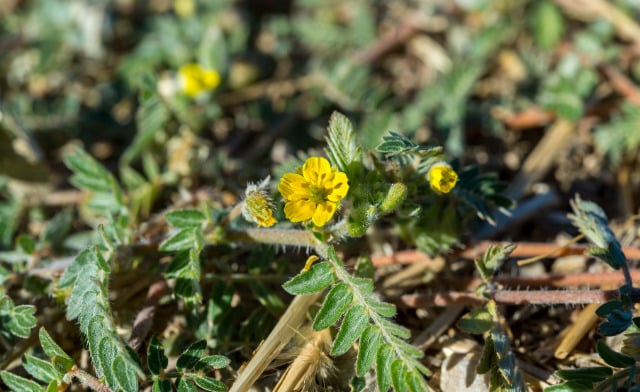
x,y
87,379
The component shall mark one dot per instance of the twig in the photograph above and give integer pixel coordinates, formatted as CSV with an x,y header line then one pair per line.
x,y
583,324
407,28
622,84
524,249
585,279
87,379
143,321
515,297
590,10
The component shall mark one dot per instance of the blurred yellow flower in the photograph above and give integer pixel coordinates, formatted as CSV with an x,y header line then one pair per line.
x,y
195,80
184,8
257,206
442,177
313,193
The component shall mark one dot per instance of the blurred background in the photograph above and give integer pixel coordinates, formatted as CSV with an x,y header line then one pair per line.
x,y
215,93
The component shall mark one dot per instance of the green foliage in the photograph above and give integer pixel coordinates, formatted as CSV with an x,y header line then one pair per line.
x,y
89,304
15,320
591,220
188,242
492,260
192,367
619,138
342,149
52,373
366,320
547,24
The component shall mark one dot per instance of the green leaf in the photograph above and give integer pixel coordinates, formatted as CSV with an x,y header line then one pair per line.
x,y
21,320
189,358
488,358
334,305
40,369
156,359
342,148
383,367
209,384
395,329
398,372
317,278
57,228
60,359
614,358
588,375
184,219
478,321
492,260
548,24
212,362
185,385
184,239
370,343
125,374
591,220
617,322
88,173
161,386
19,384
353,325
382,308
570,386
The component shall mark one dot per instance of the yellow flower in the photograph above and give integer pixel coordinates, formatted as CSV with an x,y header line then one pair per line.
x,y
257,206
315,193
196,80
442,177
184,8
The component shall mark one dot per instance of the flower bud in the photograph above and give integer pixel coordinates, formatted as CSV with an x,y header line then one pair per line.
x,y
257,206
395,196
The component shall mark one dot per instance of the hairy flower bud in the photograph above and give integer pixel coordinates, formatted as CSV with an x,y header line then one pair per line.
x,y
257,206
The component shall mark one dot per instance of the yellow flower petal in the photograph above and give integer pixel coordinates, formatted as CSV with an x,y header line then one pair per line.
x,y
316,170
196,80
300,210
339,187
314,192
442,178
267,221
294,187
324,212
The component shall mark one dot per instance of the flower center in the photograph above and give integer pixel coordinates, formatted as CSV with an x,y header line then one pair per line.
x,y
318,194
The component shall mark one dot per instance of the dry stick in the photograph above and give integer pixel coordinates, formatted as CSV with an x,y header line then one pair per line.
x,y
548,254
438,327
585,279
590,10
142,324
555,141
408,28
524,249
514,297
622,84
583,324
295,315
